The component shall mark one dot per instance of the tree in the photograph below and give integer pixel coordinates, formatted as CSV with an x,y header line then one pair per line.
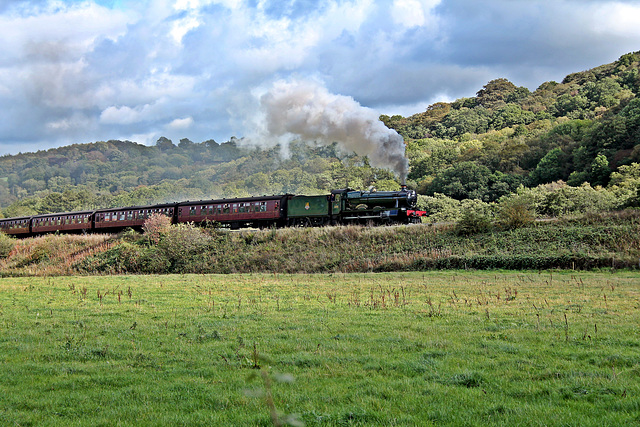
x,y
185,143
552,167
495,92
600,171
625,183
572,105
603,93
164,144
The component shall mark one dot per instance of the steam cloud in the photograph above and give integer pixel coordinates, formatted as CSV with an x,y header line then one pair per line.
x,y
308,111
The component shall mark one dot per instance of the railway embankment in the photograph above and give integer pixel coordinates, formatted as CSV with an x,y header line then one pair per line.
x,y
589,242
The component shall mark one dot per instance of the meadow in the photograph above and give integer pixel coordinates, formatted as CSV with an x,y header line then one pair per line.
x,y
415,348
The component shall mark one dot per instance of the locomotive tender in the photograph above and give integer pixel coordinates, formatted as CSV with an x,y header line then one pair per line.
x,y
345,206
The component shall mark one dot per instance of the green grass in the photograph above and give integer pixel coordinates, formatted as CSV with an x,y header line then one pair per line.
x,y
441,348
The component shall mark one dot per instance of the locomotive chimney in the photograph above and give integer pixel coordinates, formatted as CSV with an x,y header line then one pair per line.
x,y
403,187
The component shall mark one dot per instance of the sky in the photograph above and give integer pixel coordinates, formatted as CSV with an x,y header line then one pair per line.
x,y
94,70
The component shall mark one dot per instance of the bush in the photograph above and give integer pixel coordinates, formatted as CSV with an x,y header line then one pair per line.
x,y
515,212
7,244
439,208
182,239
473,222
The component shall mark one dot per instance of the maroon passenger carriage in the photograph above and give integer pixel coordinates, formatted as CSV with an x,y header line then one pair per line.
x,y
16,226
237,213
70,222
116,219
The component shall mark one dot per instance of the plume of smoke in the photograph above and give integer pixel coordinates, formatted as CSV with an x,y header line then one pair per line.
x,y
308,111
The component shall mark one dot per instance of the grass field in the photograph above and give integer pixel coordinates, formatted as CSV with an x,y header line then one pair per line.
x,y
442,348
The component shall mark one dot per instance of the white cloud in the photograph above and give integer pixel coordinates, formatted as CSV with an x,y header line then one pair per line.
x,y
119,116
621,19
413,13
181,124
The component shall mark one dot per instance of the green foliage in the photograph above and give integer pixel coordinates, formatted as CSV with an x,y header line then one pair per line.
x,y
470,180
511,115
465,120
558,199
440,208
552,167
625,184
600,171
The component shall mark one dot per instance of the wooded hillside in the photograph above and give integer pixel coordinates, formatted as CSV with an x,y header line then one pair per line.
x,y
580,130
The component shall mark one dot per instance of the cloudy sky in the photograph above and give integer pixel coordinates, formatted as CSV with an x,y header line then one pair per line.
x,y
89,70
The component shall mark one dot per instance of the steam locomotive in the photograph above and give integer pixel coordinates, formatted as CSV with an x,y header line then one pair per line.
x,y
344,206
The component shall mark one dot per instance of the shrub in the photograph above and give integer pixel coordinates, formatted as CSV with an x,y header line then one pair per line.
x,y
7,244
440,208
155,226
515,212
473,222
183,239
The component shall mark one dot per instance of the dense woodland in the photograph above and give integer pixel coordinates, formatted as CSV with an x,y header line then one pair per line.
x,y
566,147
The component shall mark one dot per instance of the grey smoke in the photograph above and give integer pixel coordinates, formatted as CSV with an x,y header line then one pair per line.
x,y
308,111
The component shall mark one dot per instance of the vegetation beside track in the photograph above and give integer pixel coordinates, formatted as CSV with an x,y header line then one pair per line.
x,y
610,240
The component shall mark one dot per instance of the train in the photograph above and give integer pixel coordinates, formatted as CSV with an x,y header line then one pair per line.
x,y
340,207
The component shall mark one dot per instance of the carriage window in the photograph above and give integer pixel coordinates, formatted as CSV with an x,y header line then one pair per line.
x,y
192,210
242,209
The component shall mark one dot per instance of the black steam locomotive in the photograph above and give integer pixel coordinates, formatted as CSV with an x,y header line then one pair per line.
x,y
345,206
